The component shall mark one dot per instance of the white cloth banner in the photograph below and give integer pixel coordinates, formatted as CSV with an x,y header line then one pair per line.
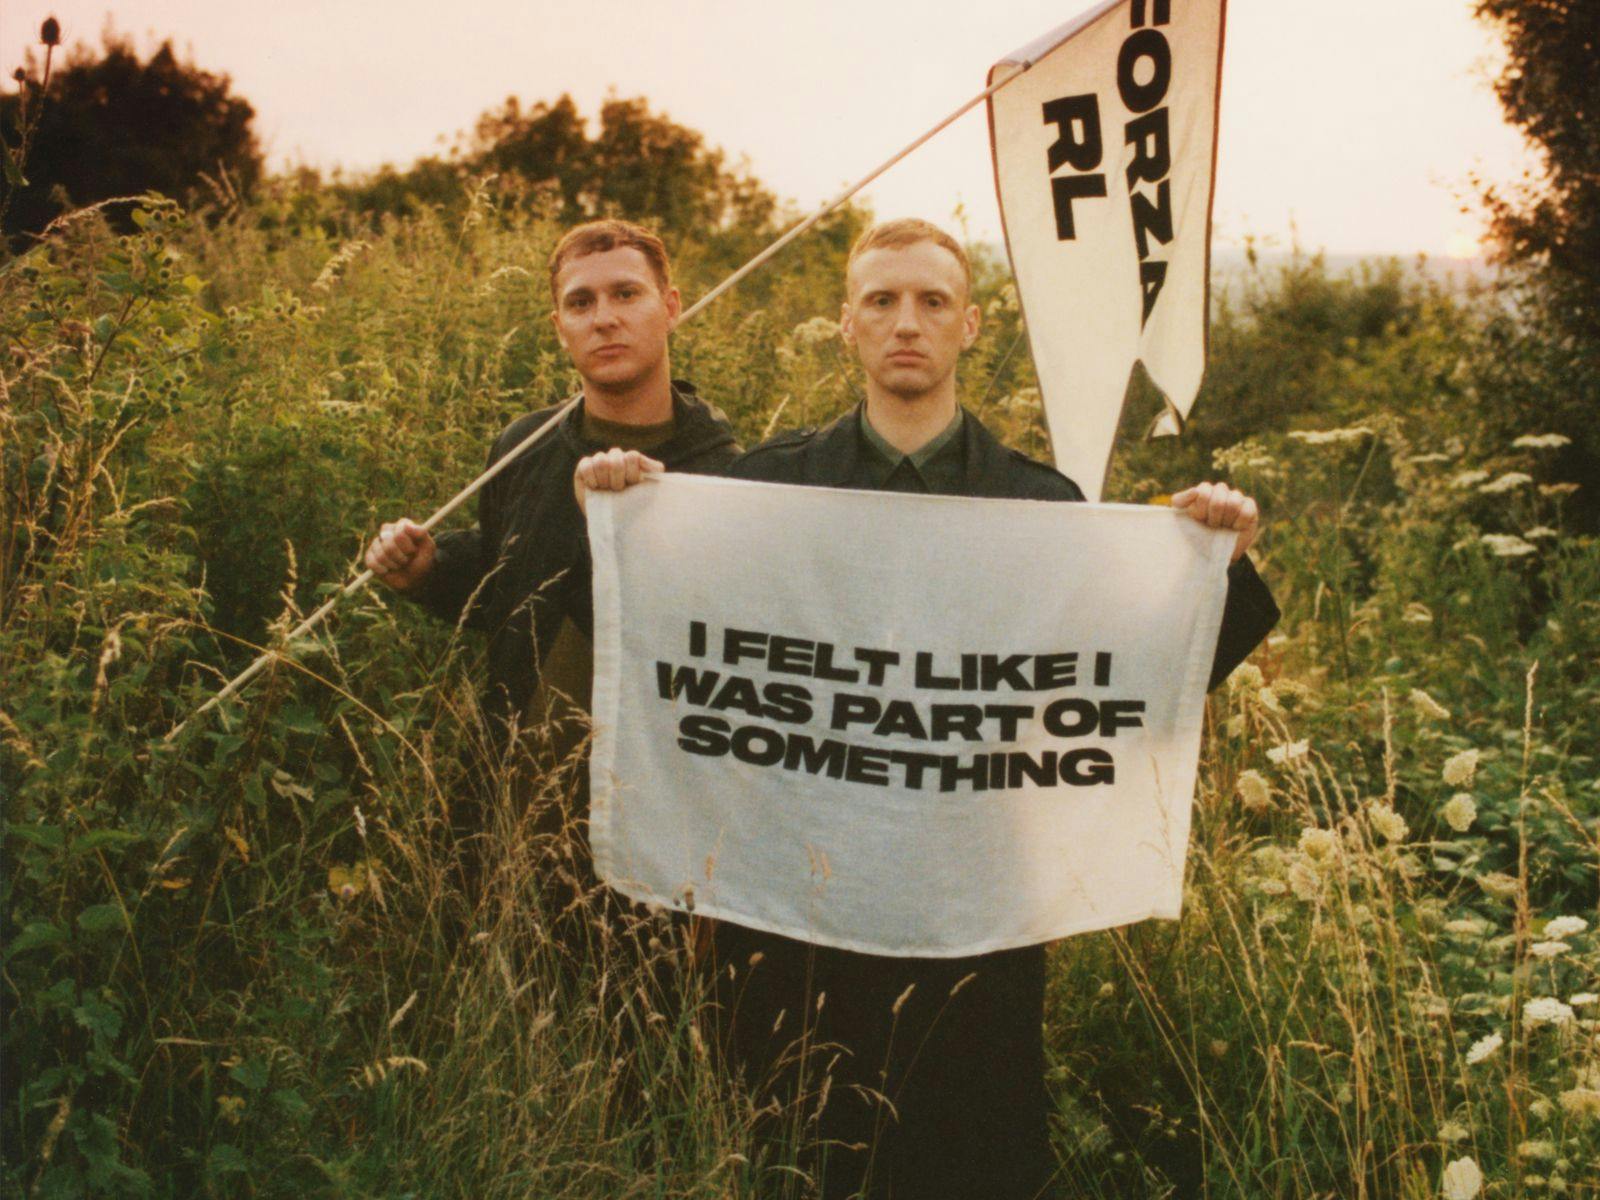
x,y
1104,157
902,724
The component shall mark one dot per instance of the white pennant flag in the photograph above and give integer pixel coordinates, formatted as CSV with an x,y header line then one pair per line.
x,y
1104,156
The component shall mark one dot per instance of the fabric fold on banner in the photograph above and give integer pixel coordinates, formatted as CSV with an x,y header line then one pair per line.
x,y
827,714
1104,158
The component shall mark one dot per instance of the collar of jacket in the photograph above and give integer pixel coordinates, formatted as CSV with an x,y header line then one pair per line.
x,y
698,426
837,449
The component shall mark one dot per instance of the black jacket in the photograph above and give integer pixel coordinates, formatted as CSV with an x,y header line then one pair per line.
x,y
525,565
838,456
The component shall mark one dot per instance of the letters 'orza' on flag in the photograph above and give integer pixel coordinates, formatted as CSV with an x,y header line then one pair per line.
x,y
1104,157
819,713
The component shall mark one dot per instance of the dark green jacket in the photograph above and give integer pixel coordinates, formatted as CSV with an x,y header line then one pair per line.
x,y
525,565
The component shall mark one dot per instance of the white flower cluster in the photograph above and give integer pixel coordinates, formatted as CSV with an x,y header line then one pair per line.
x,y
1507,545
1390,825
1546,1010
1427,707
1484,1047
1462,1180
1565,927
1505,483
1460,768
1541,441
1327,437
1460,811
1288,752
815,331
1254,791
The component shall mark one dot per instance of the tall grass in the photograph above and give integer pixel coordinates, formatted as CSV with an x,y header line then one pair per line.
x,y
312,947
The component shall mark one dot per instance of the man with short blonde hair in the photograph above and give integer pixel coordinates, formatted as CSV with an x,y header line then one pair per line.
x,y
934,1066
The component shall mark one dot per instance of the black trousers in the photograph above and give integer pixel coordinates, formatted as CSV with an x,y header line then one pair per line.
x,y
904,1078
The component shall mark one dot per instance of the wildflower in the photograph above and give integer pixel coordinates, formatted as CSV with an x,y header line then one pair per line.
x,y
1505,483
1417,613
1498,884
1507,545
1468,926
815,332
1557,489
1546,1010
1582,999
1269,700
1273,887
1460,811
1304,882
1537,1151
1548,949
1541,441
1581,1101
1288,752
1562,927
1428,707
1107,989
1469,479
1390,825
1246,675
1254,791
1460,768
50,32
1319,845
1326,437
1454,1131
1461,1180
1540,531
1483,1048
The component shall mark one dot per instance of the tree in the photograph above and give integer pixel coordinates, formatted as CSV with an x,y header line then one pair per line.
x,y
1547,372
108,124
1550,89
640,165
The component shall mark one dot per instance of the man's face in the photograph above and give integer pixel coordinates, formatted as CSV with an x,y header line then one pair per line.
x,y
908,317
613,317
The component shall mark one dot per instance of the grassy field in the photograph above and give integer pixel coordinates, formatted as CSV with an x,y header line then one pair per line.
x,y
244,965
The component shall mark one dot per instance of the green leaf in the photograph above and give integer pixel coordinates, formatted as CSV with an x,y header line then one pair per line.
x,y
103,328
101,918
251,1073
140,217
98,1017
228,1159
34,935
48,837
193,284
97,839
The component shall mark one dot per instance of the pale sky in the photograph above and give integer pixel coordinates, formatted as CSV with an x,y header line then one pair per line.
x,y
1356,124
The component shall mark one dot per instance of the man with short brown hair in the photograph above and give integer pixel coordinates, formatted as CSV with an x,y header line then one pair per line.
x,y
522,573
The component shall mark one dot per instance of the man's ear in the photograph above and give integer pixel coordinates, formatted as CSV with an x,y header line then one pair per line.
x,y
970,320
674,302
846,328
555,319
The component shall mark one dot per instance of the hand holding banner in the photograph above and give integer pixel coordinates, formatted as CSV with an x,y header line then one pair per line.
x,y
819,713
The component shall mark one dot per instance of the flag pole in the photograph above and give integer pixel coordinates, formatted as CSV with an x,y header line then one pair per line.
x,y
365,577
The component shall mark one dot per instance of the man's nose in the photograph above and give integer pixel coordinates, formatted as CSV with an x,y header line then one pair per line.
x,y
605,313
905,319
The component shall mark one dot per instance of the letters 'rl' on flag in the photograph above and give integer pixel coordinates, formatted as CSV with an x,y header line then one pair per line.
x,y
1104,160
